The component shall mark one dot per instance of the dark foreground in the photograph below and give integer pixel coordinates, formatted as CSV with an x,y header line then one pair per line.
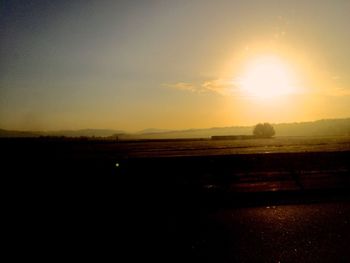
x,y
74,200
317,232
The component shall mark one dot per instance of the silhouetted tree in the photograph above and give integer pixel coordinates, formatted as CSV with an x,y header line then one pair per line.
x,y
263,130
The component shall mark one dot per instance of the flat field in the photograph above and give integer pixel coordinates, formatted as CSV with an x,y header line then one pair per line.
x,y
204,147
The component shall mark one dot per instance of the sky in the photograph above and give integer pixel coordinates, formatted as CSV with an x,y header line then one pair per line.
x,y
133,65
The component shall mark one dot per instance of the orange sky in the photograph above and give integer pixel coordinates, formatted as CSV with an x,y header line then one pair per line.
x,y
133,65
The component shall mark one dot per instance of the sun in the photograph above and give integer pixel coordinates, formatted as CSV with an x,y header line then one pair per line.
x,y
267,77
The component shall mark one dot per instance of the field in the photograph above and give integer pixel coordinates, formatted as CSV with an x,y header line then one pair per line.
x,y
173,166
198,200
202,147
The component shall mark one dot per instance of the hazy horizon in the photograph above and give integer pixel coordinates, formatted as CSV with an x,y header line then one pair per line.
x,y
157,130
165,129
175,65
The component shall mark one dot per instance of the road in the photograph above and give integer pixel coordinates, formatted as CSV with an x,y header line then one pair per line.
x,y
316,232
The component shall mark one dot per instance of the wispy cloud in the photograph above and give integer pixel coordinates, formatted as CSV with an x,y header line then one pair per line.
x,y
218,86
182,86
229,87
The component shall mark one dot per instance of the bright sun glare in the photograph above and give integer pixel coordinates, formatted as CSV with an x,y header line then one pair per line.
x,y
267,77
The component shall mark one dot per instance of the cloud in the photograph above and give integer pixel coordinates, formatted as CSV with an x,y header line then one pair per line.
x,y
183,86
218,86
230,87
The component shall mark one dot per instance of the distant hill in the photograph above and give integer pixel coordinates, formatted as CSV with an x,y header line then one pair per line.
x,y
9,134
191,133
152,130
316,128
328,127
66,133
85,133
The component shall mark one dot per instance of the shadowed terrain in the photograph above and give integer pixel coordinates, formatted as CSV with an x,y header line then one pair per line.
x,y
199,201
